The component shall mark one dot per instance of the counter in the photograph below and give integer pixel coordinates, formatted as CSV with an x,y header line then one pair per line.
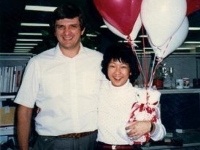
x,y
176,91
180,111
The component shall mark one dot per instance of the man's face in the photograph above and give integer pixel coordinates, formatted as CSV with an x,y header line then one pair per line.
x,y
68,33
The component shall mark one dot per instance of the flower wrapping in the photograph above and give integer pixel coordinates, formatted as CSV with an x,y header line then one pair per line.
x,y
144,110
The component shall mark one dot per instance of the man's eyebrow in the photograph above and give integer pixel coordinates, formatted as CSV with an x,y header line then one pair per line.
x,y
69,24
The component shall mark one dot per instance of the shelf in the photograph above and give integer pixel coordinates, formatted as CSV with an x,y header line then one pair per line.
x,y
188,140
3,98
9,130
14,60
178,91
190,145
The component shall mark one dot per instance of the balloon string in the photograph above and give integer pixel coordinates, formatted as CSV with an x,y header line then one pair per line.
x,y
134,52
159,61
151,77
167,45
144,59
153,74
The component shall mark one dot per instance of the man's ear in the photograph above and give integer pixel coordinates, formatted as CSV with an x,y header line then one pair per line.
x,y
82,32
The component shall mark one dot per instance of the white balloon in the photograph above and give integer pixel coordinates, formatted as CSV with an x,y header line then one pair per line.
x,y
161,18
136,28
134,32
173,42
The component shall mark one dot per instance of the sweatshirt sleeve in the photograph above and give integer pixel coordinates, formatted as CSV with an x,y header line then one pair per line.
x,y
160,131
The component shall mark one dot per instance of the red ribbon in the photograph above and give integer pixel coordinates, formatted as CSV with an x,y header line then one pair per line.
x,y
143,107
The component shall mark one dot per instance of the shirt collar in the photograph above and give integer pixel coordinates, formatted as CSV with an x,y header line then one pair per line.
x,y
126,85
58,52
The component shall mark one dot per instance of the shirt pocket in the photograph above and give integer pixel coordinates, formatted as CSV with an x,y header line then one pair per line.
x,y
90,83
53,85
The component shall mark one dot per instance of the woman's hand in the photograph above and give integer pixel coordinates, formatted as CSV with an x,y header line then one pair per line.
x,y
137,129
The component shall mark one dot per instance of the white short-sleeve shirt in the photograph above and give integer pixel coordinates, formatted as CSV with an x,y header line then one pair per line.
x,y
65,89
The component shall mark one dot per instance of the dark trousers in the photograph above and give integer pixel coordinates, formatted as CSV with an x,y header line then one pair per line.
x,y
57,143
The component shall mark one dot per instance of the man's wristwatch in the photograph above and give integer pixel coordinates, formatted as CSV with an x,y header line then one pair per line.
x,y
152,127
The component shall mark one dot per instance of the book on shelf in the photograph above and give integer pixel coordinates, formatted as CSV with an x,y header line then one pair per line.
x,y
10,78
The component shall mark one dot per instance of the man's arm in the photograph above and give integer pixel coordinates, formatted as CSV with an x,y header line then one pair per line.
x,y
24,115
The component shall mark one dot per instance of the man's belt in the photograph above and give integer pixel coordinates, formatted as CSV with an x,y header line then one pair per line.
x,y
76,135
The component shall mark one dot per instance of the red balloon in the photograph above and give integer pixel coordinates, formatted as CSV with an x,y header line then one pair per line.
x,y
122,14
192,5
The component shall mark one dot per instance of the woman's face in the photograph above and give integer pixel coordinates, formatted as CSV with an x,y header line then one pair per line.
x,y
118,72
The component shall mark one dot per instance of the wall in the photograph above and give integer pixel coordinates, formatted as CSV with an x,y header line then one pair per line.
x,y
184,66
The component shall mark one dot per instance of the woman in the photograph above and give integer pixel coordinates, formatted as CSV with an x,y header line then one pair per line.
x,y
117,95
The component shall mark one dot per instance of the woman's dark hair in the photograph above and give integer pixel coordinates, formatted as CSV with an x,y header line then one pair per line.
x,y
124,54
69,11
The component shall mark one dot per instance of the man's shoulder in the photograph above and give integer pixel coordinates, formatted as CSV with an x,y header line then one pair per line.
x,y
46,54
93,52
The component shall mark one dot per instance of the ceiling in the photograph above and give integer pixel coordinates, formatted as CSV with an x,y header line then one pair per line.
x,y
13,13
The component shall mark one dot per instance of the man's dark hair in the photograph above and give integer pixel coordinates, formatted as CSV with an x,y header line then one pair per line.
x,y
69,11
122,53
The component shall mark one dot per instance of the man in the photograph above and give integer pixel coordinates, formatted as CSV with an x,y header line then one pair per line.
x,y
63,83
